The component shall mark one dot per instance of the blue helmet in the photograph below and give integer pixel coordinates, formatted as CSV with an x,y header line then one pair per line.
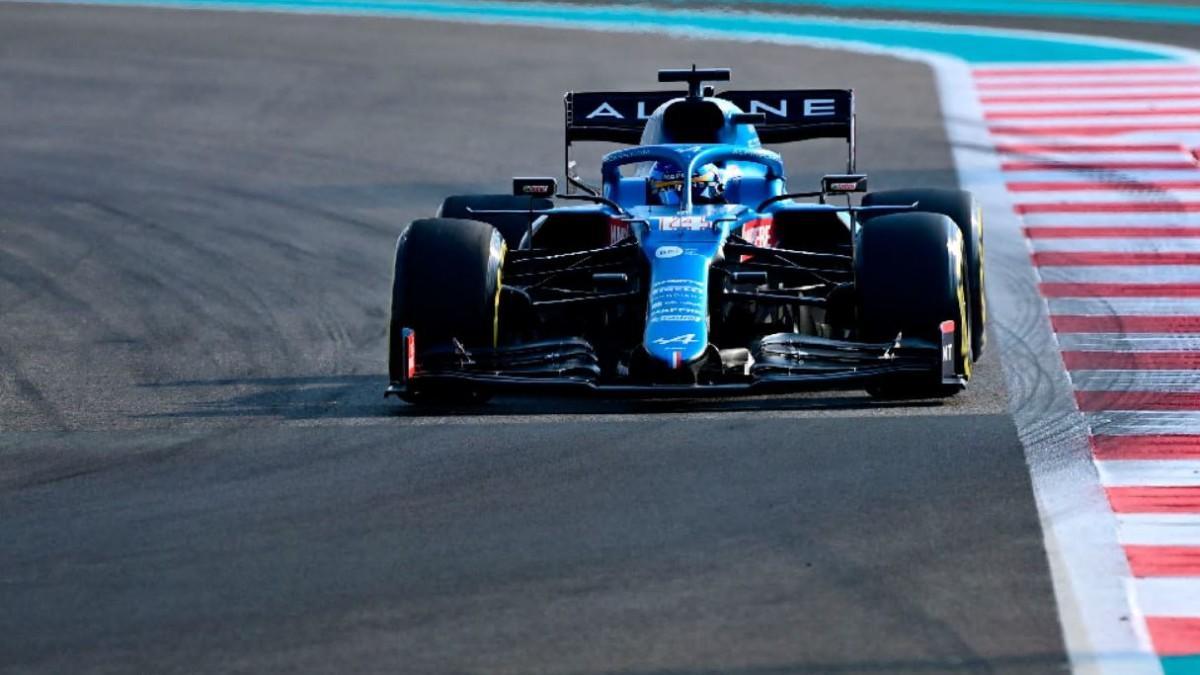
x,y
666,185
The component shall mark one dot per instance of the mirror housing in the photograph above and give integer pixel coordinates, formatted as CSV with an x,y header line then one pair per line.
x,y
844,183
534,187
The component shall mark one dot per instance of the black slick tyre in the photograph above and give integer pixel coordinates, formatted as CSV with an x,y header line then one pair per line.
x,y
509,214
910,277
445,287
961,207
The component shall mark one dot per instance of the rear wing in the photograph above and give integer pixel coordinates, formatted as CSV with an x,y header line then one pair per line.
x,y
791,115
799,115
611,116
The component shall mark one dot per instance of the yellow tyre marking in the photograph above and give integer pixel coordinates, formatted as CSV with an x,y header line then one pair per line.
x,y
496,307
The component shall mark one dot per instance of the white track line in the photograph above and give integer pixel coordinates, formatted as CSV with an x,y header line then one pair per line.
x,y
1159,529
1084,175
1121,274
1125,306
1149,473
1179,597
1134,342
1141,122
1139,423
1101,156
1112,219
986,79
1135,380
1132,103
1144,195
1092,133
987,82
1118,244
1127,87
1087,117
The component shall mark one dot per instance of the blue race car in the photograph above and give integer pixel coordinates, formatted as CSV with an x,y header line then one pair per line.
x,y
691,269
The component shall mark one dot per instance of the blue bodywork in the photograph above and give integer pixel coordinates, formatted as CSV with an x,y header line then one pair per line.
x,y
681,242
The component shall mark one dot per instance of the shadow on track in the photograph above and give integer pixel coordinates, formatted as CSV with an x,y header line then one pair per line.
x,y
359,396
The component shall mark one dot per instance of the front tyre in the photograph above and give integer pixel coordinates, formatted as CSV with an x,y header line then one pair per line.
x,y
910,277
446,288
961,207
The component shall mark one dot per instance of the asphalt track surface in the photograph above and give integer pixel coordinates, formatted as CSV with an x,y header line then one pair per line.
x,y
198,474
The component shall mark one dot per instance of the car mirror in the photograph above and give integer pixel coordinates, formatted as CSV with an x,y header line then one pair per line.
x,y
844,183
534,187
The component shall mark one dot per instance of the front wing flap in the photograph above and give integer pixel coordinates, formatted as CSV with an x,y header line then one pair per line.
x,y
784,362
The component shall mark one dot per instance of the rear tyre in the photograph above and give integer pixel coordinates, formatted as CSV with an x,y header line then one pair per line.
x,y
495,211
446,287
962,208
910,277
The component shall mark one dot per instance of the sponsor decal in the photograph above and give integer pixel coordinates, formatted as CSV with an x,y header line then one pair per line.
x,y
777,106
780,110
812,107
618,230
606,109
683,340
947,329
819,107
667,180
759,232
683,223
677,300
668,252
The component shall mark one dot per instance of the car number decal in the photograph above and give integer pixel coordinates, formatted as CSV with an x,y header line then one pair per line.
x,y
683,223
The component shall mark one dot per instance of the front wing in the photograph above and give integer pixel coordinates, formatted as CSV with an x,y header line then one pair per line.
x,y
780,363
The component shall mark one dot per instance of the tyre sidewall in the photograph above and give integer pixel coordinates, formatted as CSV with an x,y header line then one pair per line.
x,y
910,277
961,207
445,286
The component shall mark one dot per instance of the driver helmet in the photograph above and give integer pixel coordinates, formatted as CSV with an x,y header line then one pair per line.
x,y
666,185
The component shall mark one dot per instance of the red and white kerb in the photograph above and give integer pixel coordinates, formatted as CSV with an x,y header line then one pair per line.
x,y
1101,163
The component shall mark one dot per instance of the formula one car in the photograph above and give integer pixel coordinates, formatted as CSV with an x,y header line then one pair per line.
x,y
691,270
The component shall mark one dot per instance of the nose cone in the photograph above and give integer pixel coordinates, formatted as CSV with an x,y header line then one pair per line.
x,y
677,319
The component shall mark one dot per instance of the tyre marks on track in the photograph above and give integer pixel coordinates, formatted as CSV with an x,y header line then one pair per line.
x,y
1102,166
